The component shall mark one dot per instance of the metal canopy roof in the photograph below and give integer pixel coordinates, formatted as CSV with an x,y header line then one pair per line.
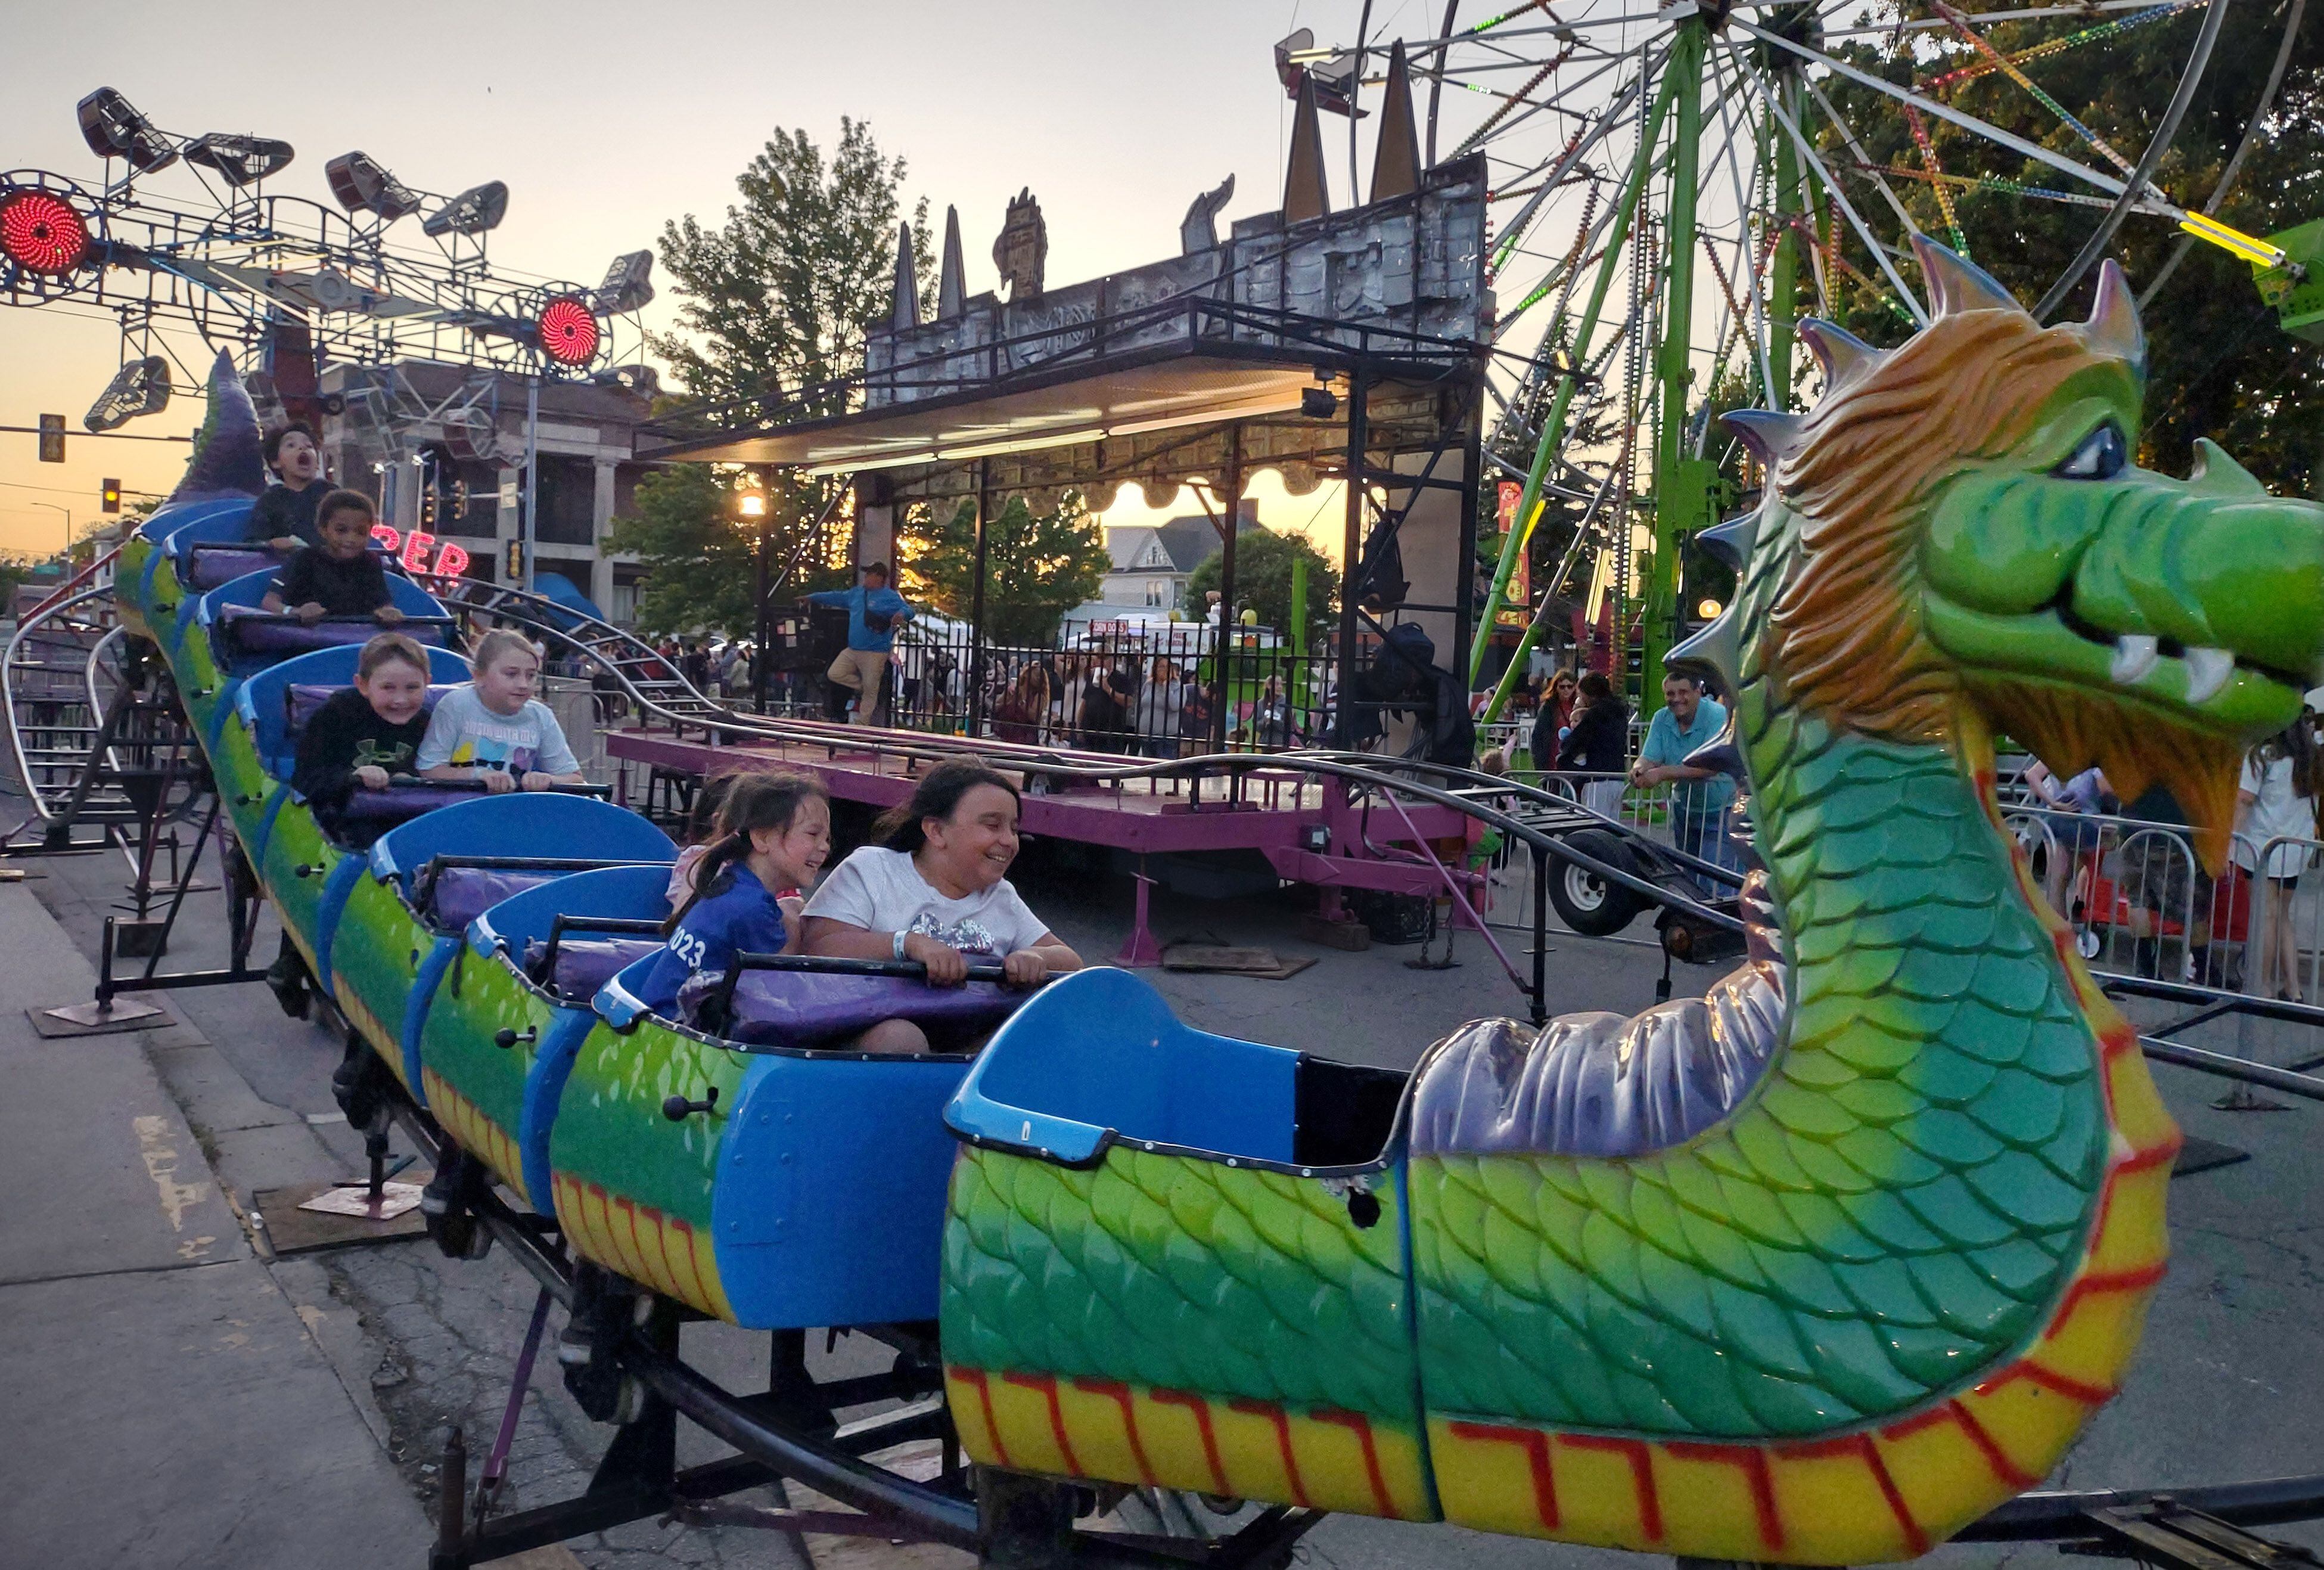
x,y
1074,403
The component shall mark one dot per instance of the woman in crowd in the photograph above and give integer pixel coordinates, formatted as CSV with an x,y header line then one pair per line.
x,y
1598,743
2278,798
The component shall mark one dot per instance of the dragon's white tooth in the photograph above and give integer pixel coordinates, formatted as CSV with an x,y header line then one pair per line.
x,y
2207,671
2135,654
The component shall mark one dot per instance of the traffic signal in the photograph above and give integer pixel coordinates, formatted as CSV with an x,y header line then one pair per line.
x,y
52,438
515,559
108,496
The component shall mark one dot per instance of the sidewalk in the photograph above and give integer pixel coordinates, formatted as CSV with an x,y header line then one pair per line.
x,y
168,1404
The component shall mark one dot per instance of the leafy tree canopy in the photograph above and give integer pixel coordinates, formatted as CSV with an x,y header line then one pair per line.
x,y
1263,561
1038,567
702,560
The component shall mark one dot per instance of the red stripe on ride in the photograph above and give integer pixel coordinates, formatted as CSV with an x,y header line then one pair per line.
x,y
2090,1395
1120,1393
1862,1447
1048,1385
1201,1406
1642,1475
1537,1449
2006,1469
1754,1463
976,1376
1275,1415
2093,1286
1363,1428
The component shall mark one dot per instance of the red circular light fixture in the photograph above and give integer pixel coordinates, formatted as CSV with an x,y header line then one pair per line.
x,y
40,233
568,331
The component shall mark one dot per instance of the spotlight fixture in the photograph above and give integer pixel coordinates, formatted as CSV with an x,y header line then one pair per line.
x,y
643,380
1318,402
1708,609
139,387
567,330
112,128
474,212
628,286
42,232
240,161
362,186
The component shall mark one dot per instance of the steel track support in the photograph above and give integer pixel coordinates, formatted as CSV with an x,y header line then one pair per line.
x,y
1682,482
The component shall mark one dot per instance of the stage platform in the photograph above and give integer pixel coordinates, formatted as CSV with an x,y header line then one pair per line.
x,y
1308,830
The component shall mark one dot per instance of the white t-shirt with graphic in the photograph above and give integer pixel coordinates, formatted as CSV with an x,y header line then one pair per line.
x,y
881,890
462,730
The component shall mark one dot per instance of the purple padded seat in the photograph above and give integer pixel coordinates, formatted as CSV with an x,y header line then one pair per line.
x,y
802,1009
211,566
256,631
586,964
401,803
455,896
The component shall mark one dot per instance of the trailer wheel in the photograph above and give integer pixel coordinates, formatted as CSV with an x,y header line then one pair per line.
x,y
1586,902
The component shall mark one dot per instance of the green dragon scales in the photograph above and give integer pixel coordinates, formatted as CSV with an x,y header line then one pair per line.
x,y
1816,1269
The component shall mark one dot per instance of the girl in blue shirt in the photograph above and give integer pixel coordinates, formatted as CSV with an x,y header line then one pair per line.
x,y
773,836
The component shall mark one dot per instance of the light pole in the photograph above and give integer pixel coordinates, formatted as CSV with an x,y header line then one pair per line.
x,y
56,507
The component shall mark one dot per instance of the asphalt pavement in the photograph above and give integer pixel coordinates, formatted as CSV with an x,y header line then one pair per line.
x,y
184,1400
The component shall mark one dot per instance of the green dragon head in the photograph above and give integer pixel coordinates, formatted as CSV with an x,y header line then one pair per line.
x,y
1956,542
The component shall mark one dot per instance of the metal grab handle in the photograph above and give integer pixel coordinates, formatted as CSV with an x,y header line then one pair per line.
x,y
678,1109
505,1038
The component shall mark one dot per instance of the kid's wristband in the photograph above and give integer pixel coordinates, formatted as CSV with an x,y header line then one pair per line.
x,y
900,945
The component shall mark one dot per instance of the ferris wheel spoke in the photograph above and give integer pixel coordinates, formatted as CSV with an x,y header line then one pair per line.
x,y
1745,263
1974,18
1768,101
1928,106
1857,150
1573,156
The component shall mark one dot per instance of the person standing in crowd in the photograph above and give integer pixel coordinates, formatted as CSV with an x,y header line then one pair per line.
x,y
2280,797
1689,720
1024,709
284,517
1554,720
1159,705
874,611
1599,744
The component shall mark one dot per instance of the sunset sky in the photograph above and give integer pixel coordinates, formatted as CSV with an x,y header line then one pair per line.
x,y
607,120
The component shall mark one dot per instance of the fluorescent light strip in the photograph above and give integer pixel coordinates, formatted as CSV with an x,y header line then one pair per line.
x,y
1273,403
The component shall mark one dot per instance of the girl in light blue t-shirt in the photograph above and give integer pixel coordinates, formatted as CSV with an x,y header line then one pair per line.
x,y
493,729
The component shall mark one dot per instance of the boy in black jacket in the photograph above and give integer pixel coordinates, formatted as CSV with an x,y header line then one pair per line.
x,y
360,737
340,576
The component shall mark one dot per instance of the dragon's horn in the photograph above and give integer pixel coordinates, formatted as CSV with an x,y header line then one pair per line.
x,y
1769,435
2215,471
1956,284
1843,355
2113,329
1731,542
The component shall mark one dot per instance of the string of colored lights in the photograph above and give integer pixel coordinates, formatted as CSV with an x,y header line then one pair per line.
x,y
1982,68
1936,169
1992,182
1830,251
1977,42
1511,100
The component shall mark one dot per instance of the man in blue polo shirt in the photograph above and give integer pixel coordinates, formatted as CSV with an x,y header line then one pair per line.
x,y
873,610
1698,797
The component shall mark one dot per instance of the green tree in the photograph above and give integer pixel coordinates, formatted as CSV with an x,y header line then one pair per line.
x,y
774,304
1038,567
2218,365
776,300
703,559
1263,561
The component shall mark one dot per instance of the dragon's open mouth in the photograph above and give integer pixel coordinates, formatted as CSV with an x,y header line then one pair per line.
x,y
2218,690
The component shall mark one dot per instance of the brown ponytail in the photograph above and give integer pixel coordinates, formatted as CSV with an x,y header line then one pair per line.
x,y
769,799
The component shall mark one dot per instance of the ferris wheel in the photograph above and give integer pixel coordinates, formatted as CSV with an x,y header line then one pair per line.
x,y
1676,186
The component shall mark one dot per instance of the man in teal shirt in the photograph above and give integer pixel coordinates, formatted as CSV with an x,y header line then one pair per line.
x,y
1698,797
873,610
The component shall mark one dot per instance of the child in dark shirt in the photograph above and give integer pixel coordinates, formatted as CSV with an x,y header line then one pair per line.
x,y
340,576
774,835
369,733
360,737
284,516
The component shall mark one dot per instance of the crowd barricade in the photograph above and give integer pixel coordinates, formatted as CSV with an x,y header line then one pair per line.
x,y
2141,904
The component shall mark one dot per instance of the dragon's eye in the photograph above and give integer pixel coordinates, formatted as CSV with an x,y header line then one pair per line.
x,y
2101,457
